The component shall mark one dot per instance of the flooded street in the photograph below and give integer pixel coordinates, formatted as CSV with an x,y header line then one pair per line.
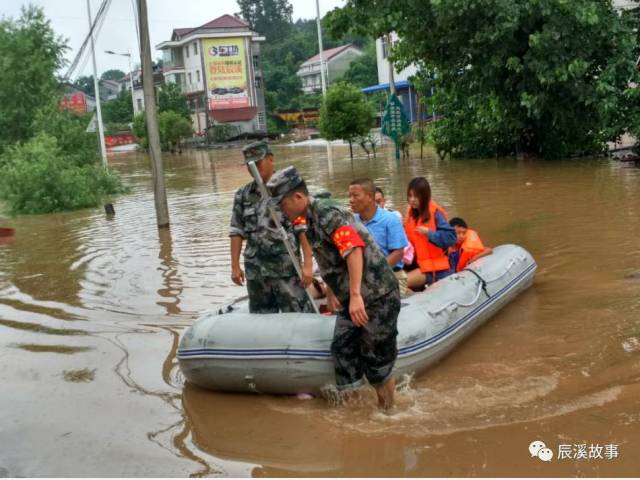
x,y
91,310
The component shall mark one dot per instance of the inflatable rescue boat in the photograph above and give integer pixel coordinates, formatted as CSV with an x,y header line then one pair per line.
x,y
232,350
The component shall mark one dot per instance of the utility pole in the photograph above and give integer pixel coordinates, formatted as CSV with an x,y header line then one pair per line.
x,y
392,85
96,86
159,191
322,79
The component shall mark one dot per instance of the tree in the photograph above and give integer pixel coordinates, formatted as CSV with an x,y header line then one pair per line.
x,y
36,177
118,110
363,71
85,84
547,78
173,128
113,74
271,18
345,114
171,98
30,55
69,129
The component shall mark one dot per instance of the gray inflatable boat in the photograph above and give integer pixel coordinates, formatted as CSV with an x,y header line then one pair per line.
x,y
233,350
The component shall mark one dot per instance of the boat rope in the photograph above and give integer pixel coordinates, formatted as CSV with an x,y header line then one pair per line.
x,y
482,281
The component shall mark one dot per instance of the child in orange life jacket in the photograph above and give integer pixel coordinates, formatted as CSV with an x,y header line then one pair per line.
x,y
468,247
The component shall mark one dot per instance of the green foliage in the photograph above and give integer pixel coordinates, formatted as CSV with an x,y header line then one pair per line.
x,y
346,114
85,84
271,18
288,45
113,74
30,54
545,77
118,110
172,126
36,177
140,130
363,71
69,130
171,98
221,132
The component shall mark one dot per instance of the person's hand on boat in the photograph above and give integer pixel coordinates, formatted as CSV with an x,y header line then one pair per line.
x,y
357,311
423,230
307,275
237,276
333,304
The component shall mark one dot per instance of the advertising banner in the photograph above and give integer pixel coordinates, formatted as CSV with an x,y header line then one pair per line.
x,y
74,101
226,71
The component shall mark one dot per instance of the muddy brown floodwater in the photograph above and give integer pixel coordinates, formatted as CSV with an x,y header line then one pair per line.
x,y
91,310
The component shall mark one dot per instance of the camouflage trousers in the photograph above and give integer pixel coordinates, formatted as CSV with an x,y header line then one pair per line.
x,y
369,351
273,295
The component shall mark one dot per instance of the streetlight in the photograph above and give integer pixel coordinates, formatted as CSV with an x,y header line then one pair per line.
x,y
128,55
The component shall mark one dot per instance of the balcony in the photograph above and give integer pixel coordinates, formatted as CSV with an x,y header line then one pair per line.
x,y
188,88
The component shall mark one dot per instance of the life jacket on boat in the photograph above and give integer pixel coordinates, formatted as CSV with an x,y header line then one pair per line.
x,y
469,248
430,257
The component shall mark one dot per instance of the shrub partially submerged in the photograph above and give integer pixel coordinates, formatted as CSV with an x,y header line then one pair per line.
x,y
37,177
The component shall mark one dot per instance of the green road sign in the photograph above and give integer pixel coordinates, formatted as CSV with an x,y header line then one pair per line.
x,y
395,123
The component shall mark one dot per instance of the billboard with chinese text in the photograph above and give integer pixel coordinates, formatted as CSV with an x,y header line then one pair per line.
x,y
226,74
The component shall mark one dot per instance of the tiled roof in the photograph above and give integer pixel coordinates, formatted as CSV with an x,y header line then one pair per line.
x,y
181,31
327,54
225,21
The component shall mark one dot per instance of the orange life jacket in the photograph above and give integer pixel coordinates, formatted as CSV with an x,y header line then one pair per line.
x,y
470,247
430,257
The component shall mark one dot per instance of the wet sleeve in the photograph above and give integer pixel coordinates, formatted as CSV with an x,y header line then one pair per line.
x,y
444,235
236,226
397,238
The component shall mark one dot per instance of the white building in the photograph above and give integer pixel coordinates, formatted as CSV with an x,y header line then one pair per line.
x,y
138,92
336,60
218,67
404,90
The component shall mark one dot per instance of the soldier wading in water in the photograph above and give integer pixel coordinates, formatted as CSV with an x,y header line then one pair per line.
x,y
353,267
272,282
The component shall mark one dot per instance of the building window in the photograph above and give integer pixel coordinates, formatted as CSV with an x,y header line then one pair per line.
x,y
258,82
256,62
198,76
261,120
195,48
190,78
186,49
139,104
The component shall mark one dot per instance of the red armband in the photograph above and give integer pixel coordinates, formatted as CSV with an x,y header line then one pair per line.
x,y
300,221
345,238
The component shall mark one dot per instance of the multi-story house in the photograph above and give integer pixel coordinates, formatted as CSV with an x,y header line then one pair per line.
x,y
218,67
336,61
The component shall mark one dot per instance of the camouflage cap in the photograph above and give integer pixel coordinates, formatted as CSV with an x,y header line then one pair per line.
x,y
255,151
282,182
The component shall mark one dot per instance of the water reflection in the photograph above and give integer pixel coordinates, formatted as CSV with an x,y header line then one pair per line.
x,y
172,282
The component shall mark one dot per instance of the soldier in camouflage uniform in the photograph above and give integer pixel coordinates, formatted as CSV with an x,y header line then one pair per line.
x,y
272,282
354,268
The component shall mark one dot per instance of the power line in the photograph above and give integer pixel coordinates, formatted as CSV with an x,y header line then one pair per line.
x,y
95,27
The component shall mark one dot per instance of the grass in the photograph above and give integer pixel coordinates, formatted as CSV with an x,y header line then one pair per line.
x,y
79,376
34,327
64,349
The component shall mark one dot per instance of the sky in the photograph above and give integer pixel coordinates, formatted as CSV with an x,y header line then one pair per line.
x,y
69,19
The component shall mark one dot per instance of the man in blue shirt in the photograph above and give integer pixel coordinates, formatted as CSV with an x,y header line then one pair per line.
x,y
384,226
